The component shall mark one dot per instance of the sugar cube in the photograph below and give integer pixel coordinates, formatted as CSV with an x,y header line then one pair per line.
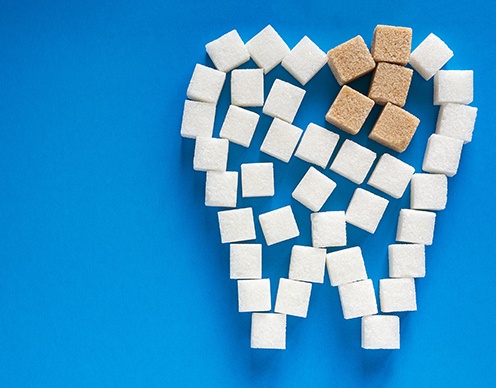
x,y
430,56
391,176
267,49
397,295
239,125
394,128
257,179
268,331
357,299
429,192
305,60
210,154
416,226
456,86
406,260
381,332
353,161
245,261
236,225
293,297
206,84
281,140
221,188
247,87
328,229
366,210
456,120
350,60
307,264
313,189
442,155
390,83
254,295
317,145
349,110
198,119
278,225
346,266
392,44
283,101
228,51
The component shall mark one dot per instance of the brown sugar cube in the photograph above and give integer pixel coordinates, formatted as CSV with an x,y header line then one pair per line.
x,y
392,44
390,83
349,110
350,60
394,128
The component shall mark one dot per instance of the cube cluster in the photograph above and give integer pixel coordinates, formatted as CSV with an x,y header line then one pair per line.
x,y
394,128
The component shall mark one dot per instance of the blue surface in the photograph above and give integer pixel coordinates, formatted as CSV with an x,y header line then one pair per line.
x,y
111,269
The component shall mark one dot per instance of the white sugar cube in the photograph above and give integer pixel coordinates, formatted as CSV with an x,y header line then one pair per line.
x,y
221,188
307,264
317,145
406,260
228,51
397,295
381,332
346,266
456,120
314,189
416,226
455,86
328,229
239,125
247,87
353,161
245,261
391,176
366,210
429,192
198,119
268,331
442,155
236,225
281,140
293,297
206,84
283,101
430,56
210,154
305,60
267,49
254,295
257,179
357,299
278,225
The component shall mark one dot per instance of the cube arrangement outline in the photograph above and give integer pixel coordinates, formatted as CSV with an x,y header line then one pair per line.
x,y
397,295
210,154
358,299
305,60
221,188
453,86
257,179
239,125
236,225
406,260
247,87
268,331
278,225
391,175
283,101
267,48
442,155
293,297
245,261
456,120
317,145
381,332
254,295
307,264
314,189
429,192
228,51
198,119
430,56
416,226
206,84
346,266
365,210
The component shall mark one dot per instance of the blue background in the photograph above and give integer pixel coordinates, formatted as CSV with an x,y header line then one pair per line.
x,y
111,269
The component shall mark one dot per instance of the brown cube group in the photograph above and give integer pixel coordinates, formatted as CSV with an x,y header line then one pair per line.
x,y
394,128
392,44
350,60
349,110
390,84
